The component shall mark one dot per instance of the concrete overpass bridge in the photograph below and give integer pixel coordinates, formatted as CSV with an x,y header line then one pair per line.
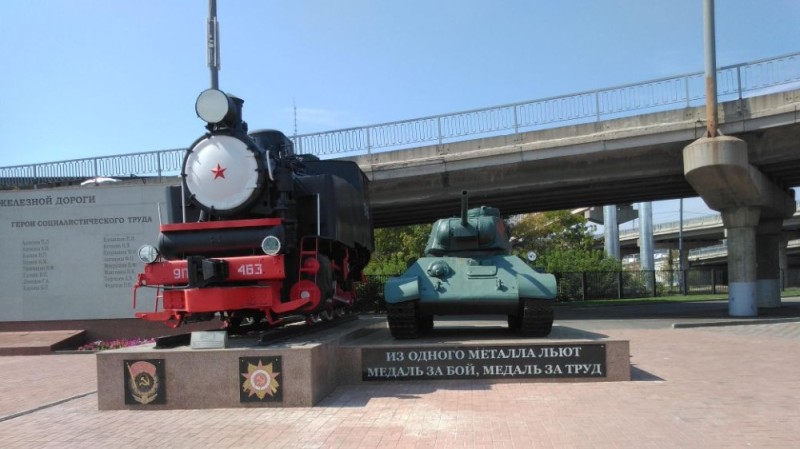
x,y
617,161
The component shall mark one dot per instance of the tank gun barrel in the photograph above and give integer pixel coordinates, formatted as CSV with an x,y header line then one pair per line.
x,y
464,207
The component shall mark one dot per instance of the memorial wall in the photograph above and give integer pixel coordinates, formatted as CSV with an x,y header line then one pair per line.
x,y
70,253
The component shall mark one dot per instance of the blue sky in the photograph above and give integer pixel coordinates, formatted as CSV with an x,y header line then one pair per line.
x,y
84,78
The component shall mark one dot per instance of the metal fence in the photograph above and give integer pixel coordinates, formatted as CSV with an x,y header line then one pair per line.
x,y
733,82
153,163
599,285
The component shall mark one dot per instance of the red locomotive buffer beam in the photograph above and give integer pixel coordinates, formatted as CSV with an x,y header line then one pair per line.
x,y
246,268
179,300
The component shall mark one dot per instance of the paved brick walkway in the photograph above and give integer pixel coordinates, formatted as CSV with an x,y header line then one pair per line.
x,y
718,387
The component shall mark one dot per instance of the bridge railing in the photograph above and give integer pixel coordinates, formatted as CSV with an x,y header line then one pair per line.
x,y
733,82
152,163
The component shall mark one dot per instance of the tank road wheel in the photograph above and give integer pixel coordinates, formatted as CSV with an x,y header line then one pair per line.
x,y
404,320
537,317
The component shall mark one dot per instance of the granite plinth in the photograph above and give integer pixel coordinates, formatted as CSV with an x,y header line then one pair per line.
x,y
300,372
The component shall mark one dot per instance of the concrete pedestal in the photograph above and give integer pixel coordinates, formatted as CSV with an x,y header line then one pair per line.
x,y
301,372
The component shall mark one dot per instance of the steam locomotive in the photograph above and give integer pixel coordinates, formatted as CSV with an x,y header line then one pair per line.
x,y
256,234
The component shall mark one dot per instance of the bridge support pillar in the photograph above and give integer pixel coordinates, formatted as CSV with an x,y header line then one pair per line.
x,y
646,256
611,231
719,170
740,225
768,242
683,266
782,262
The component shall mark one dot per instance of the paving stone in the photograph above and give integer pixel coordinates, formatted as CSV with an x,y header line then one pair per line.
x,y
732,386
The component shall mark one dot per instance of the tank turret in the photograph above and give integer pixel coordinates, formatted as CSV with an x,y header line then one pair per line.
x,y
478,230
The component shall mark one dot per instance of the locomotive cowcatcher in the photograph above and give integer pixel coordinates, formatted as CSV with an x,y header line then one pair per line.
x,y
256,235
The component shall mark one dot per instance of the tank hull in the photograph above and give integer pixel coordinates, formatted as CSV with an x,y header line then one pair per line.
x,y
470,285
468,268
481,284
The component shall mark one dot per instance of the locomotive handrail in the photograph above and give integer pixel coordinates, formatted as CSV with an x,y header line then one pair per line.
x,y
733,82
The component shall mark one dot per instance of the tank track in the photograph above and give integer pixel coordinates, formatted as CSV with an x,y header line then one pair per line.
x,y
404,322
537,317
426,323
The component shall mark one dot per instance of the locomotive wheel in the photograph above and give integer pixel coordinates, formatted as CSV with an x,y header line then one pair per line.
x,y
325,283
404,320
537,317
325,278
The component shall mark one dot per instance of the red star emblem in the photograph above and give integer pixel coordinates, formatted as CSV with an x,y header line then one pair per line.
x,y
219,172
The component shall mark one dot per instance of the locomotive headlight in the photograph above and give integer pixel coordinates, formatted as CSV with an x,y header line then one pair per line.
x,y
213,106
271,245
148,254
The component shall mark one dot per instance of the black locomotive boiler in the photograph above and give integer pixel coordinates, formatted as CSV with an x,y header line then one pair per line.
x,y
257,234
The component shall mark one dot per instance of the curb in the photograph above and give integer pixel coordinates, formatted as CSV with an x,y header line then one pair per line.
x,y
735,323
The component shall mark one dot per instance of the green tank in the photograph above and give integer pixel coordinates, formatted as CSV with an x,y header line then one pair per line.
x,y
468,268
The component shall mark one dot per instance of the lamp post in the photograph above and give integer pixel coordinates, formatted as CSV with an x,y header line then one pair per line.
x,y
681,268
710,68
212,41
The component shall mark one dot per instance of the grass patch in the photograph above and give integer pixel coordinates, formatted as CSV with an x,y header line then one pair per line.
x,y
790,292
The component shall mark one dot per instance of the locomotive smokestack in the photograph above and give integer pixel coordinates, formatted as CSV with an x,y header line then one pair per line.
x,y
464,207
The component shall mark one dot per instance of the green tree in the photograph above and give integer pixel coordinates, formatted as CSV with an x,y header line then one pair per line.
x,y
563,260
546,231
563,242
394,247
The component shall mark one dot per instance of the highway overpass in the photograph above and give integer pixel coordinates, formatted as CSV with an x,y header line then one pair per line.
x,y
618,161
